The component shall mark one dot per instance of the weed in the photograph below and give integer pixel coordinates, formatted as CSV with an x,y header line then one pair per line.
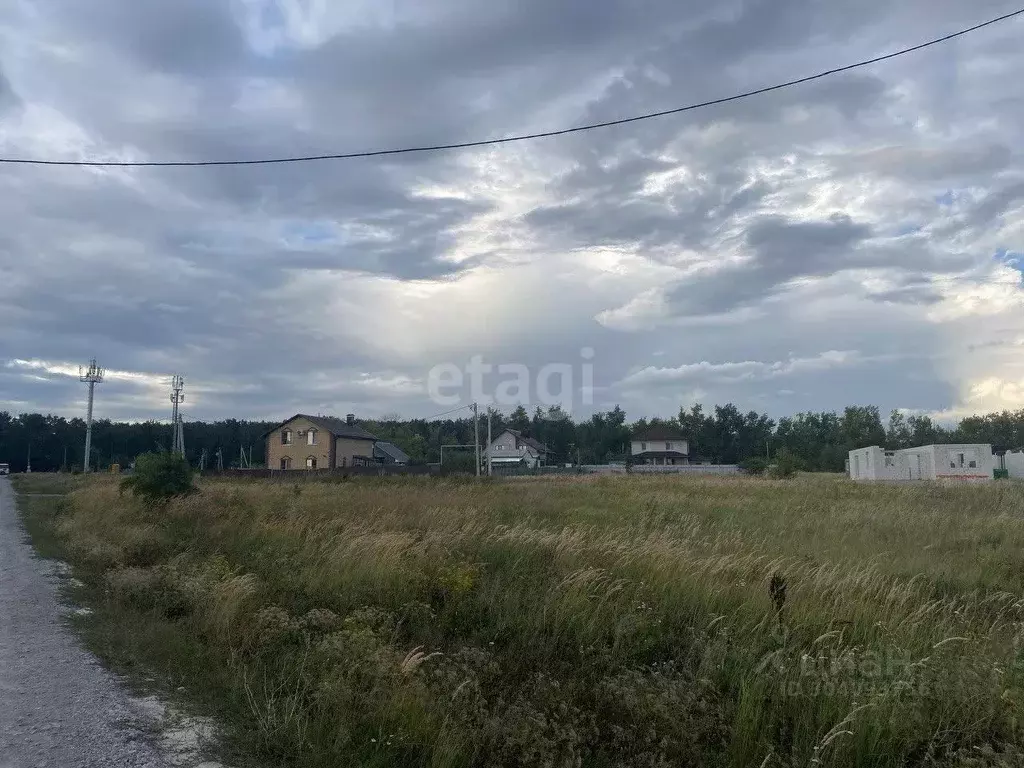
x,y
578,622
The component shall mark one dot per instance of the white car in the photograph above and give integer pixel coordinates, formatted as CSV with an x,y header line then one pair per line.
x,y
5,469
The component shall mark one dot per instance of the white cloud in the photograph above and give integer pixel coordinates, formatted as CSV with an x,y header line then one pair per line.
x,y
72,370
733,372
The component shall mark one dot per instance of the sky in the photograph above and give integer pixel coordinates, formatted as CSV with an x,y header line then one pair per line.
x,y
855,240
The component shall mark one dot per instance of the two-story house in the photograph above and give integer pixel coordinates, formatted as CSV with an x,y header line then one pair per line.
x,y
660,445
513,447
318,442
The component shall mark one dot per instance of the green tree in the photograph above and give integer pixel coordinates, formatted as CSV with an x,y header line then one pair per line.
x,y
899,435
862,426
519,419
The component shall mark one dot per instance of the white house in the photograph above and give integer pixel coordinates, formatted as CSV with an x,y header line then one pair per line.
x,y
929,462
513,447
660,445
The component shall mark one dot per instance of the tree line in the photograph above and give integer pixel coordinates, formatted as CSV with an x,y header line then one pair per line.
x,y
723,434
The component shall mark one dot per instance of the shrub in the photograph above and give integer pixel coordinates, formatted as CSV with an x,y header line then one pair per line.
x,y
754,465
785,464
459,463
159,477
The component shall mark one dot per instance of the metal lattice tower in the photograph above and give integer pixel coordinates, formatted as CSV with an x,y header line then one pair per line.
x,y
92,377
177,398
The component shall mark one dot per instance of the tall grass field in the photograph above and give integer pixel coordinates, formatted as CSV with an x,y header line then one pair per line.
x,y
627,621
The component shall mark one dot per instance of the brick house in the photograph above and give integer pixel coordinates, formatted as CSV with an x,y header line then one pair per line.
x,y
318,442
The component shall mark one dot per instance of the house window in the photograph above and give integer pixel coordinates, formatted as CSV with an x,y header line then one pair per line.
x,y
643,446
286,463
286,437
668,446
973,465
310,463
311,437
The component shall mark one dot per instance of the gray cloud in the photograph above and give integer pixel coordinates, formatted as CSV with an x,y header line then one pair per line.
x,y
782,251
8,98
908,294
187,37
280,286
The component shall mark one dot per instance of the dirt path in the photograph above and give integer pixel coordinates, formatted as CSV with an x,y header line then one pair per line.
x,y
58,707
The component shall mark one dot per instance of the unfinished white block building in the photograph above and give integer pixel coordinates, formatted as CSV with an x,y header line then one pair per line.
x,y
1013,463
970,463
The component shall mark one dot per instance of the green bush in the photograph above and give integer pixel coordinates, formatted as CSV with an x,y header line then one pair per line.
x,y
754,465
785,464
459,462
160,477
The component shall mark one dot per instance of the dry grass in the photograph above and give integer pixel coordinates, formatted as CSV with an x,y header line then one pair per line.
x,y
625,621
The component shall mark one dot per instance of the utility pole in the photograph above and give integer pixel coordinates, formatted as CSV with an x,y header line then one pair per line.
x,y
476,436
177,398
490,466
28,462
92,377
181,437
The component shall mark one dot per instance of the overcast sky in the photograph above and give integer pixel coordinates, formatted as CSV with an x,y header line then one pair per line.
x,y
857,240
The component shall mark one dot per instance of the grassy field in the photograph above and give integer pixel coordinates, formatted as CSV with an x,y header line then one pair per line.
x,y
629,621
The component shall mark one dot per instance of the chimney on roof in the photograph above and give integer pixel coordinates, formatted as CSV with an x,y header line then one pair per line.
x,y
350,419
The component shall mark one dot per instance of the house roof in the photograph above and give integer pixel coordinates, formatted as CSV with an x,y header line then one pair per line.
x,y
661,455
337,427
658,432
392,451
536,444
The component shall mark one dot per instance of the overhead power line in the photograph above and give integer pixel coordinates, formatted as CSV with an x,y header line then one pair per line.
x,y
520,137
447,413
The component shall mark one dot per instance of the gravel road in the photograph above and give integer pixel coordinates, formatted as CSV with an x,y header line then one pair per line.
x,y
58,707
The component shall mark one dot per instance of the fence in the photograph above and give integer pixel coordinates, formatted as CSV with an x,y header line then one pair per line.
x,y
293,475
620,469
517,470
386,470
687,469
